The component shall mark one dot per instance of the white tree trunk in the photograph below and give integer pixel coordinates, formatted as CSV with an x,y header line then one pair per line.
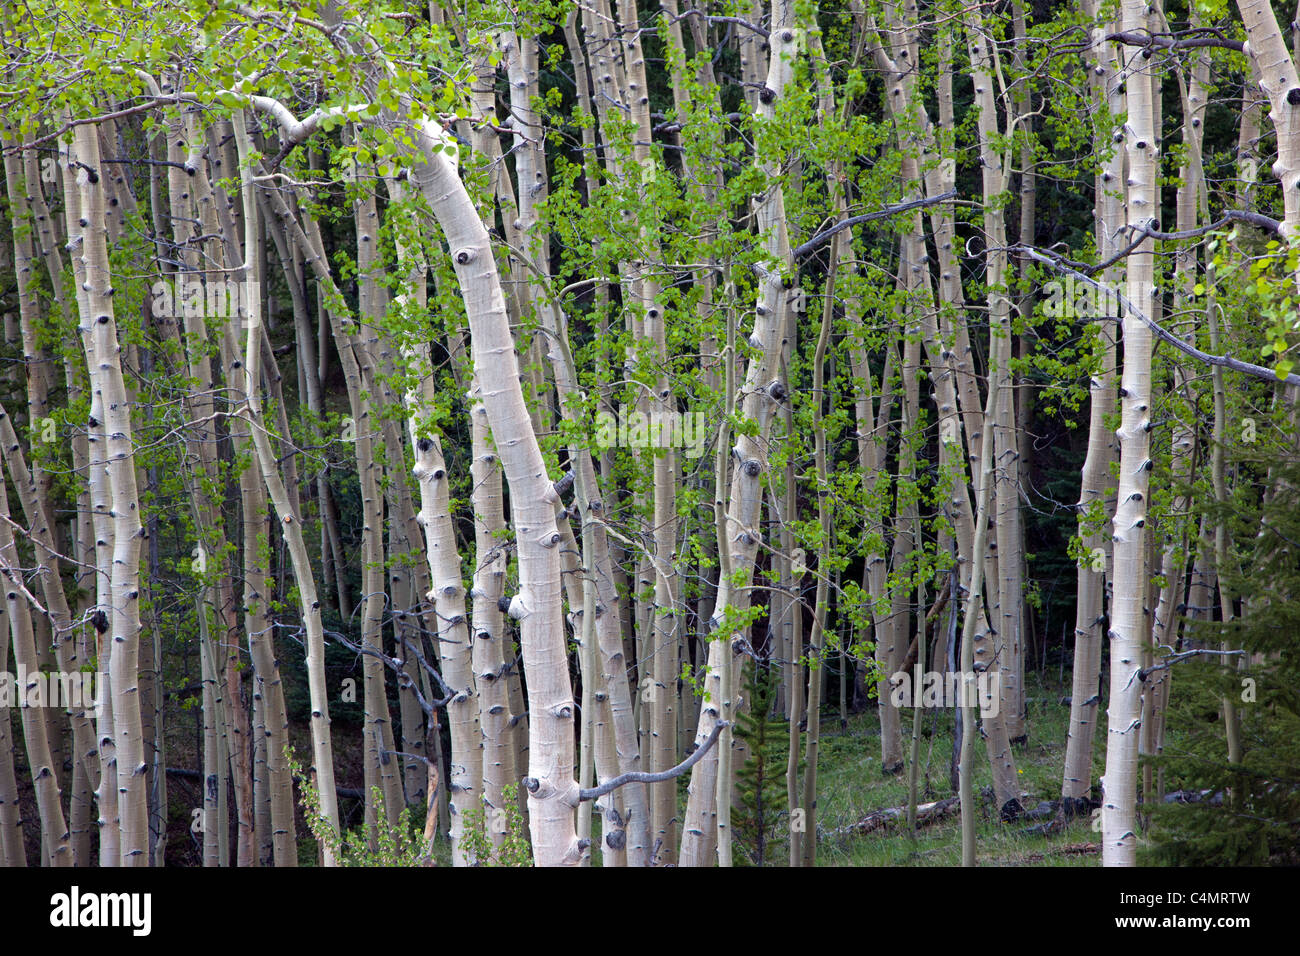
x,y
1130,622
100,330
552,788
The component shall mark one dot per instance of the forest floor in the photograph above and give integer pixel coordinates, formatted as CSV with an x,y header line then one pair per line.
x,y
850,786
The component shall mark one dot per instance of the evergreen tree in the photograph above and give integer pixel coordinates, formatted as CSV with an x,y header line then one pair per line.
x,y
760,783
1244,813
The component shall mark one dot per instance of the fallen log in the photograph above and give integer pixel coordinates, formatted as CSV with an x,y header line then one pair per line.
x,y
1077,849
926,813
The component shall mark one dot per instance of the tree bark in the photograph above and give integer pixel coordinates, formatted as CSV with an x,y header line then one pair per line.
x,y
1130,622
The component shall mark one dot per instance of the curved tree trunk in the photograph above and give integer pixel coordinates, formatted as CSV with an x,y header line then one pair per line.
x,y
99,330
54,829
553,791
322,750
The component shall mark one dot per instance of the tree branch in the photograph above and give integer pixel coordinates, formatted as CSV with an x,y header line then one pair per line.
x,y
637,776
1167,662
1222,361
1145,232
825,236
1170,42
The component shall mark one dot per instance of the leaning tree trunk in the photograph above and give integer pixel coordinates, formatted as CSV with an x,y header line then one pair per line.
x,y
100,330
54,829
448,596
552,788
992,651
322,750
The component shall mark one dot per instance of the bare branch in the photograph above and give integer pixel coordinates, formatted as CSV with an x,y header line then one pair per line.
x,y
637,776
823,237
1167,41
1222,361
1167,662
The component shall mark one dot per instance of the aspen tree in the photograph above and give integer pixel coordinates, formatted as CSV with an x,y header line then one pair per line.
x,y
489,627
721,470
825,518
966,790
447,594
263,846
1096,483
84,191
1190,203
500,704
519,211
407,582
1218,478
1129,626
54,829
552,789
268,689
322,751
1278,79
31,221
359,361
12,851
214,824
992,650
122,215
792,621
1016,402
762,390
